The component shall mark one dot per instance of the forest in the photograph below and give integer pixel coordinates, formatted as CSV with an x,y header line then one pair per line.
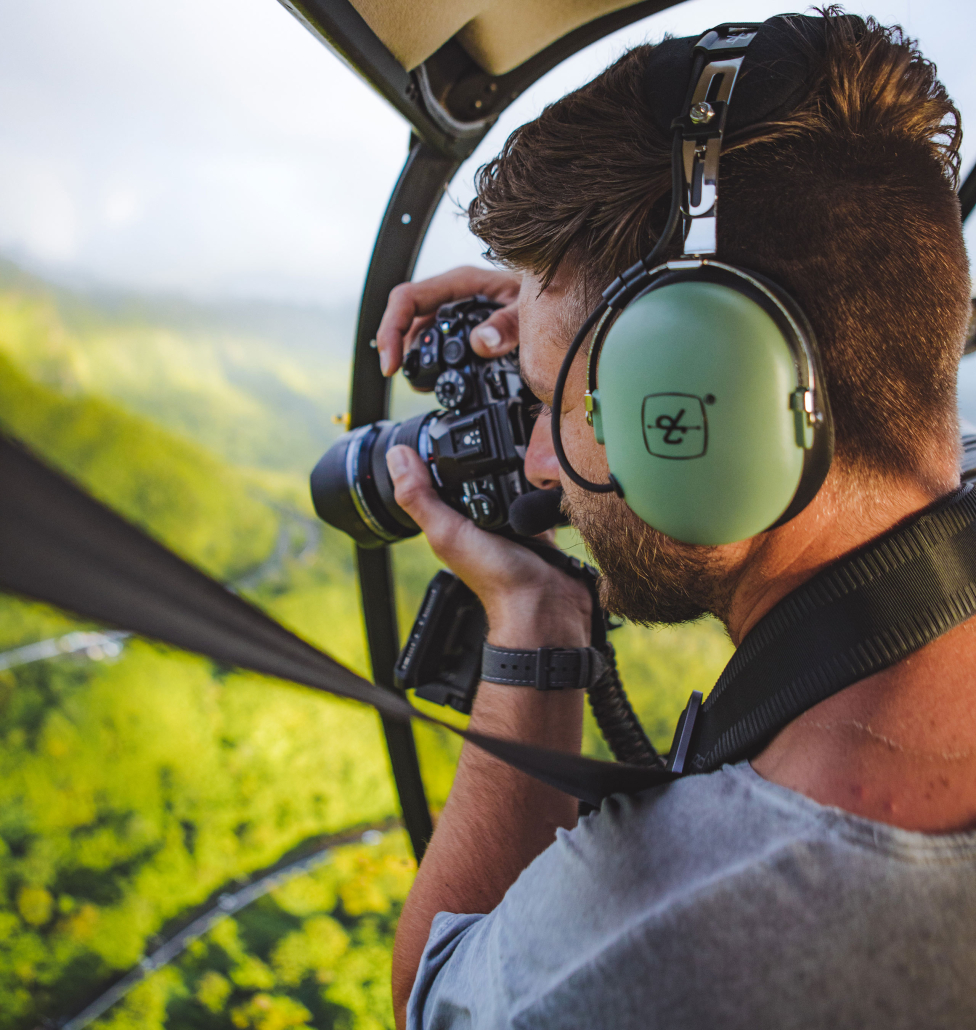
x,y
139,788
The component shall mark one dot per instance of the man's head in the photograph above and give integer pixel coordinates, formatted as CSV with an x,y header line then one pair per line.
x,y
848,202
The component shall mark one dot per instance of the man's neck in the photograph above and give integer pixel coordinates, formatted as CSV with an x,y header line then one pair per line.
x,y
842,518
900,746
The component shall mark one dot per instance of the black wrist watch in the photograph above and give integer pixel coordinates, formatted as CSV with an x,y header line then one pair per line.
x,y
546,668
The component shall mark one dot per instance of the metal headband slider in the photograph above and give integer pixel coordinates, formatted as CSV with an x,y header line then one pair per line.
x,y
728,37
704,121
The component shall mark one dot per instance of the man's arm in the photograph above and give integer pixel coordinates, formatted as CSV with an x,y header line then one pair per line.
x,y
496,819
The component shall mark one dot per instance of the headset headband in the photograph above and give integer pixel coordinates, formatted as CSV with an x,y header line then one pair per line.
x,y
720,53
784,49
696,144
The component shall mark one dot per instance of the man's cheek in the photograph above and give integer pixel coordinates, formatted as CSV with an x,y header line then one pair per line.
x,y
585,454
601,519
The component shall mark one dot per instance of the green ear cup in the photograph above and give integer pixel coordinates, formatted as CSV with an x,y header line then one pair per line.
x,y
696,408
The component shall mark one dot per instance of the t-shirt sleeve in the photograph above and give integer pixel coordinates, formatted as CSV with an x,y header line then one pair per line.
x,y
503,969
481,971
450,991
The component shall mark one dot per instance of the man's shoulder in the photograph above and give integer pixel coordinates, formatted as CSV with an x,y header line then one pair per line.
x,y
708,820
723,823
722,880
626,870
636,850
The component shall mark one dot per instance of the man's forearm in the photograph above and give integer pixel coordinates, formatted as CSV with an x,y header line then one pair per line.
x,y
495,822
496,819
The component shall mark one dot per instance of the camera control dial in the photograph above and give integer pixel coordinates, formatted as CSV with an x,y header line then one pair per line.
x,y
451,388
480,506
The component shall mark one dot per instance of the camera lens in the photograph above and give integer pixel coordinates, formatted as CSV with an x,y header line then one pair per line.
x,y
474,446
352,489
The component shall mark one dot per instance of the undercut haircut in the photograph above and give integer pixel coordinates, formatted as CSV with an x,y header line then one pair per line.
x,y
849,203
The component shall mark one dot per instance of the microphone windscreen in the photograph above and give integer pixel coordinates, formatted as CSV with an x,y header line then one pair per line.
x,y
535,512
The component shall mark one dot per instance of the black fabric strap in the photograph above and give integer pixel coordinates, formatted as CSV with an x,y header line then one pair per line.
x,y
860,615
59,545
546,668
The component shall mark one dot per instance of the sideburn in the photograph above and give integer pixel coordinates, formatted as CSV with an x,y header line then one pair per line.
x,y
647,578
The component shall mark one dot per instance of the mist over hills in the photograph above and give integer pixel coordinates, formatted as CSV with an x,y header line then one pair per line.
x,y
320,331
257,382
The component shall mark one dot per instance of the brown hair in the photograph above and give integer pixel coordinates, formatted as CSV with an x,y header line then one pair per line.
x,y
849,204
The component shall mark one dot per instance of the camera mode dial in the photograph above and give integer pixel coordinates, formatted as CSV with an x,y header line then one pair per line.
x,y
451,388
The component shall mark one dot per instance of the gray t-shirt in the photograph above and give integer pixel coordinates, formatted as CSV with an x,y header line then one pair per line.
x,y
719,902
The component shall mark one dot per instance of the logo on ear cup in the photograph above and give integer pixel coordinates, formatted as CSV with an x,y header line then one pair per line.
x,y
675,425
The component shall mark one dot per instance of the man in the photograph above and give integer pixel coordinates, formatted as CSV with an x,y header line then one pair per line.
x,y
832,881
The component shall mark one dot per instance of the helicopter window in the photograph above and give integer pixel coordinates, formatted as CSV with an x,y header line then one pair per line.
x,y
182,248
188,199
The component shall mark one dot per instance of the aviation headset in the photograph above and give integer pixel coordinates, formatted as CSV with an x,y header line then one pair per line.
x,y
703,380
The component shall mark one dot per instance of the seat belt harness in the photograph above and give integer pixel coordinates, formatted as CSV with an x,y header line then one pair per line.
x,y
855,618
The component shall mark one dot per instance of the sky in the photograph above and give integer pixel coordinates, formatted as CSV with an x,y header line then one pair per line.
x,y
214,148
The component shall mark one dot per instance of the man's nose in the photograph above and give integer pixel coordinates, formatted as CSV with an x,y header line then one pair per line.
x,y
541,463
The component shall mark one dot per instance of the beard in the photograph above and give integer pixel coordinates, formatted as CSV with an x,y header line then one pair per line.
x,y
647,577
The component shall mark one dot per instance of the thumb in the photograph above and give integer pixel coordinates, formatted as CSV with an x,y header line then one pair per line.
x,y
414,492
498,334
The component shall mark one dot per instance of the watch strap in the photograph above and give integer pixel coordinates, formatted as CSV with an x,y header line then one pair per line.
x,y
546,668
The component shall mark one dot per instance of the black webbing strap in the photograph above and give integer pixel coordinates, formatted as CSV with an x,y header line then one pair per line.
x,y
860,615
59,545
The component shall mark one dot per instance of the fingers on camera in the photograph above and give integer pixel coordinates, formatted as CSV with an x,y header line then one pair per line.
x,y
398,318
415,494
411,482
498,334
411,308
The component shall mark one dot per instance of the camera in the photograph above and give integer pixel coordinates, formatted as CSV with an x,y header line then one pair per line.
x,y
474,445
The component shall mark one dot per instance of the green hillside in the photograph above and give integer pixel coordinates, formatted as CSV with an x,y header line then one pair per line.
x,y
255,384
313,953
131,790
190,501
135,788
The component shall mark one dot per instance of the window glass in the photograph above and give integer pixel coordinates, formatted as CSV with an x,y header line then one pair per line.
x,y
188,197
189,194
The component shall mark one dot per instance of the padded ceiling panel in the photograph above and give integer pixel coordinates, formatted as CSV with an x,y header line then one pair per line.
x,y
499,34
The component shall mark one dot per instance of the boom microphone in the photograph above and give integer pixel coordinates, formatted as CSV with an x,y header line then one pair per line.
x,y
534,512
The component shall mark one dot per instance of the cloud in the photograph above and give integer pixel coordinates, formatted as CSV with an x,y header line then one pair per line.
x,y
220,148
38,214
121,207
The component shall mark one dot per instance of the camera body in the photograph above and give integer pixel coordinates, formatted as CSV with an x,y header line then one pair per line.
x,y
474,445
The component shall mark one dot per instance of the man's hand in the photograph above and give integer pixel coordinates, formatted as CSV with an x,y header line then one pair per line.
x,y
496,819
528,603
412,306
523,596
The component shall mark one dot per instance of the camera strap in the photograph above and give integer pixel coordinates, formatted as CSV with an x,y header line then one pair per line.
x,y
859,616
